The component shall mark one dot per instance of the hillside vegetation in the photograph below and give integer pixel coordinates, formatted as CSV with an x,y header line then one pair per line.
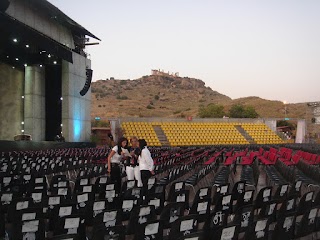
x,y
162,96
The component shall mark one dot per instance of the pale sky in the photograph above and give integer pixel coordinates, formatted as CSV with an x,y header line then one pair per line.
x,y
265,48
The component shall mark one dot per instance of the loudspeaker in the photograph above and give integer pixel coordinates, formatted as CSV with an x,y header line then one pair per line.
x,y
88,82
4,4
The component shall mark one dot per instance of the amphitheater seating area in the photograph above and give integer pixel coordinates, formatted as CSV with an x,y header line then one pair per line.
x,y
61,194
141,130
201,133
261,133
189,134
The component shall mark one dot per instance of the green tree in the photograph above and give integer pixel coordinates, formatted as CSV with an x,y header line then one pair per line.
x,y
250,112
240,111
211,111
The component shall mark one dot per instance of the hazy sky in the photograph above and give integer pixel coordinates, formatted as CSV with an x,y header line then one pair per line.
x,y
265,48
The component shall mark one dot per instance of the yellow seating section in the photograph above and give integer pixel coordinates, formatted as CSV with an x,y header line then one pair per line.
x,y
186,133
198,134
261,133
141,130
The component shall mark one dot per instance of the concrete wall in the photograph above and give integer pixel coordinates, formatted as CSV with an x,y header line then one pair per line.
x,y
34,103
272,124
75,108
301,131
202,120
312,129
11,102
21,10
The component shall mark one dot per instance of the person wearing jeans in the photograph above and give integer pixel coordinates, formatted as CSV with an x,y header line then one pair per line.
x,y
146,165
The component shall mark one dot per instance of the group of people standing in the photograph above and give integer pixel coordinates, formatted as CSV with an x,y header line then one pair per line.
x,y
136,159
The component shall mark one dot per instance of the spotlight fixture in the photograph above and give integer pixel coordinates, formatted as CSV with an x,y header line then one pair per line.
x,y
25,65
22,97
40,65
15,40
54,62
22,123
22,130
7,56
17,59
61,98
61,125
49,55
27,46
13,67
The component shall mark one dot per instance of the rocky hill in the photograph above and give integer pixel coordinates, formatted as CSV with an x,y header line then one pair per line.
x,y
167,96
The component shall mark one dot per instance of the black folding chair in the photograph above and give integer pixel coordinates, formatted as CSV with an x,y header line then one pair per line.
x,y
284,228
201,208
183,226
139,216
215,221
111,233
150,230
307,225
259,230
171,213
227,232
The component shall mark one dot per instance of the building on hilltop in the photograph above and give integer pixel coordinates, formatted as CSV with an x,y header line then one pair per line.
x,y
164,74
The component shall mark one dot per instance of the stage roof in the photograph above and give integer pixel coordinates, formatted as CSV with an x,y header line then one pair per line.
x,y
59,16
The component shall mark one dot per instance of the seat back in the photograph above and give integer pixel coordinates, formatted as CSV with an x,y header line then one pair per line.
x,y
101,232
171,212
259,230
281,192
263,197
308,222
150,230
139,216
29,229
305,202
230,233
184,226
201,208
284,228
175,187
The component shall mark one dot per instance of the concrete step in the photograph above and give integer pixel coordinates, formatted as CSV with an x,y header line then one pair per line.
x,y
161,135
245,134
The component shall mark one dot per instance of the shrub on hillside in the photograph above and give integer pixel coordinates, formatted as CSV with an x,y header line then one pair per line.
x,y
119,97
150,107
240,111
211,111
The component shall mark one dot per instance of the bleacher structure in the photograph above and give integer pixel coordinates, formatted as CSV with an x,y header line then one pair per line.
x,y
261,133
202,133
141,130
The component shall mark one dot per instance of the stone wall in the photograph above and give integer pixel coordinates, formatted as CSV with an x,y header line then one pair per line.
x,y
11,102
